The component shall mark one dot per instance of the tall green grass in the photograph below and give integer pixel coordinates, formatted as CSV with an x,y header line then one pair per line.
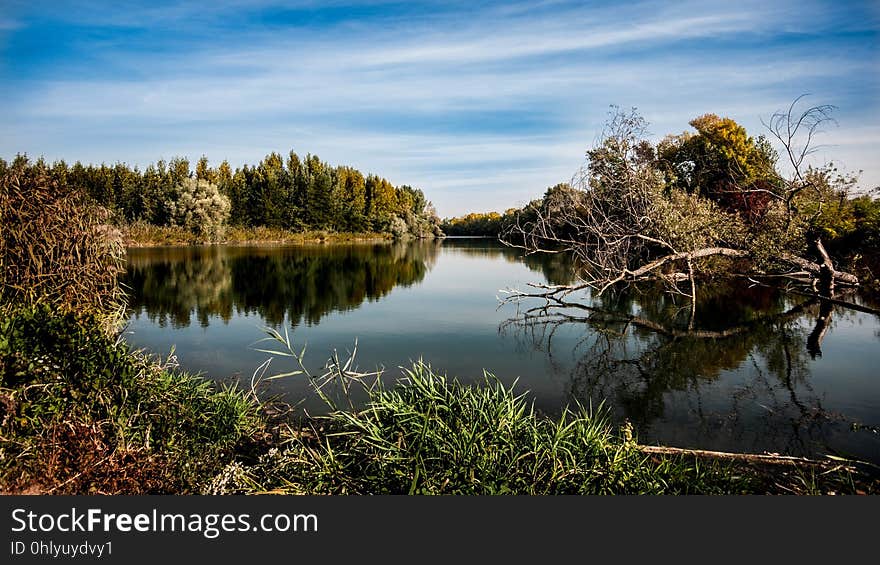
x,y
429,434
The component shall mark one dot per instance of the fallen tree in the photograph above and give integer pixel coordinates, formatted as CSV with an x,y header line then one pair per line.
x,y
692,206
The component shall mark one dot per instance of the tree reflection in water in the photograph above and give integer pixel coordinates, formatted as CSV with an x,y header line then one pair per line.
x,y
303,283
741,375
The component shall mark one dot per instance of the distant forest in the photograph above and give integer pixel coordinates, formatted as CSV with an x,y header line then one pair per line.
x,y
478,223
493,224
296,194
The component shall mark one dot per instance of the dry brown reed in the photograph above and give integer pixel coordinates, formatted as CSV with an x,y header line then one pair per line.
x,y
55,246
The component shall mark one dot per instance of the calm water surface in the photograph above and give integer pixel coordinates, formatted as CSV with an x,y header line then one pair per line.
x,y
756,374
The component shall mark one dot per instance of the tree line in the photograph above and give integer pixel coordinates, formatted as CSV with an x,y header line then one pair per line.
x,y
477,223
291,193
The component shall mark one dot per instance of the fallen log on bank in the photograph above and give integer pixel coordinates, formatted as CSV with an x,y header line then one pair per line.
x,y
808,267
816,270
751,458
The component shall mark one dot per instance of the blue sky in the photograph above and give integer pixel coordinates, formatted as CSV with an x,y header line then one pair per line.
x,y
481,104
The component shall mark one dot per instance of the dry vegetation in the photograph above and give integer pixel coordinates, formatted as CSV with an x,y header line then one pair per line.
x,y
55,247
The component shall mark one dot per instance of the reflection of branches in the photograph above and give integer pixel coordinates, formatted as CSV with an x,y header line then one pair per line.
x,y
788,400
823,322
554,312
641,364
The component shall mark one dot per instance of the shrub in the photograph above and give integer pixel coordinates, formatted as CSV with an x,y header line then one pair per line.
x,y
398,227
198,206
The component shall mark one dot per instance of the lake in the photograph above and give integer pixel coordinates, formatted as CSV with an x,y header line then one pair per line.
x,y
758,371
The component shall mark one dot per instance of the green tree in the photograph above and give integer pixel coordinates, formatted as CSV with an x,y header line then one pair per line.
x,y
721,162
319,212
380,201
351,192
298,195
204,171
271,183
178,169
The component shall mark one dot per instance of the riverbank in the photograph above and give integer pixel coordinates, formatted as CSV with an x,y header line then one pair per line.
x,y
148,235
80,412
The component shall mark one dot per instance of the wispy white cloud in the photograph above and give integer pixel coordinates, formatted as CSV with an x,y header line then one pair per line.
x,y
330,90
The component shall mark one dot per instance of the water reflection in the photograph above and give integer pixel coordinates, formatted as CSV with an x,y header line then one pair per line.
x,y
171,285
740,378
303,284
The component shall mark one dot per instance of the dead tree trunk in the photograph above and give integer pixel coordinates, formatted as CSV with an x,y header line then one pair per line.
x,y
826,270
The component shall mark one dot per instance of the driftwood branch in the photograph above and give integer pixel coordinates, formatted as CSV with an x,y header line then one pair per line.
x,y
806,265
698,254
836,301
751,458
816,269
